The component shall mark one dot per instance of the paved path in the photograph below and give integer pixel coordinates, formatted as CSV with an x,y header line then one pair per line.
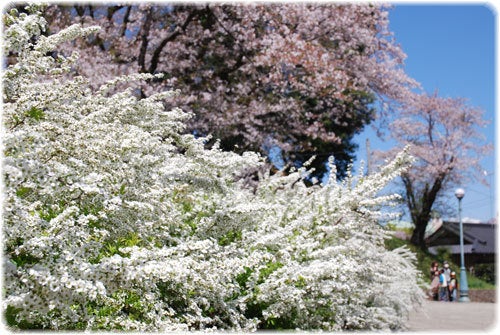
x,y
448,316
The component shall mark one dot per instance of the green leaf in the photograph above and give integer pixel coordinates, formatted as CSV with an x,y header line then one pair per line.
x,y
22,192
35,113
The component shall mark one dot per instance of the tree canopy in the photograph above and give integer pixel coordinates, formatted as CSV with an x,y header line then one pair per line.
x,y
445,137
301,77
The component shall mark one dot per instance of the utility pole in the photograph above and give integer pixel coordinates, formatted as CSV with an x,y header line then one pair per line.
x,y
368,157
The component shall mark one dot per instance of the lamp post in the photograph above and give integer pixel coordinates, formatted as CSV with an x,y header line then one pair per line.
x,y
464,287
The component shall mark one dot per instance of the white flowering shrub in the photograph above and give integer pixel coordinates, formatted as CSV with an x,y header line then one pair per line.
x,y
115,219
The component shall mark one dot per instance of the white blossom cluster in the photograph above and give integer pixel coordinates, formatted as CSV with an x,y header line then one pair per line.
x,y
115,219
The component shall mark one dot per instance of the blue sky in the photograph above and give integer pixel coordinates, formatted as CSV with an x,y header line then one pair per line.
x,y
451,48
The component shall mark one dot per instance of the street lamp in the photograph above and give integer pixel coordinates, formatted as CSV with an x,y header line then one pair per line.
x,y
464,287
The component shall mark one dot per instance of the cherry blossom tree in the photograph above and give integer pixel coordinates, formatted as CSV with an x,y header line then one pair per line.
x,y
115,219
301,77
444,134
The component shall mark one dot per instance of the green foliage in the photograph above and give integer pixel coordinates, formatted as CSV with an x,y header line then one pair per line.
x,y
266,271
255,308
281,323
173,293
113,246
477,283
127,303
23,259
486,272
243,277
301,282
23,192
35,113
11,320
132,305
48,213
230,237
443,254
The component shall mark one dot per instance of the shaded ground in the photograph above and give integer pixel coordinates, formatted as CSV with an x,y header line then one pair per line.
x,y
455,316
482,295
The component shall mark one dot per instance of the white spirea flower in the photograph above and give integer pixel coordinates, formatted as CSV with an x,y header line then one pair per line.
x,y
114,219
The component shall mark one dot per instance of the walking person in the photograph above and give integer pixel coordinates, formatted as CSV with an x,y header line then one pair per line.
x,y
443,286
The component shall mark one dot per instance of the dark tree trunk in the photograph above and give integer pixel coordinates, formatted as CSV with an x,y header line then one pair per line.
x,y
418,236
420,205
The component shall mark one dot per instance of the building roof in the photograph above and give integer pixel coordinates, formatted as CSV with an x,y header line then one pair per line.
x,y
478,237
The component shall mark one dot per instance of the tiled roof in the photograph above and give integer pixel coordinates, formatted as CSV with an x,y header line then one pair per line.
x,y
480,236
